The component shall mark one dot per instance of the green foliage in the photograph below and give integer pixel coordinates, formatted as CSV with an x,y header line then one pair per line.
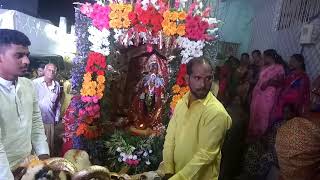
x,y
123,142
174,68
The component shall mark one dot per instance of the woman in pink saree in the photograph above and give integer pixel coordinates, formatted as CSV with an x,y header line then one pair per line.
x,y
265,94
296,90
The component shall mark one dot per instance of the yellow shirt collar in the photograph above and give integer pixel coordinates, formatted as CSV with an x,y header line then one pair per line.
x,y
204,101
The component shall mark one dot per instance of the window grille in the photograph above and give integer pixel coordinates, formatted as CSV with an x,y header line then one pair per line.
x,y
295,12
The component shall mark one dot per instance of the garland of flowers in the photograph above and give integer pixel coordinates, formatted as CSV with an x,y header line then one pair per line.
x,y
91,92
190,49
98,13
149,20
99,40
180,88
146,20
171,24
119,15
197,24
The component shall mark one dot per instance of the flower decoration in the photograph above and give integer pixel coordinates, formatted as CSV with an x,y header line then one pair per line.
x,y
90,132
199,24
149,22
98,13
146,20
180,88
172,23
96,65
136,153
99,40
119,15
91,92
191,49
178,92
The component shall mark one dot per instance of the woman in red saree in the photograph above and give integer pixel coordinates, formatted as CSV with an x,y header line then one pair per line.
x,y
265,94
296,89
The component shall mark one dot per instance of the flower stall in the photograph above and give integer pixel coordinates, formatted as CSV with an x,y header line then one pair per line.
x,y
129,75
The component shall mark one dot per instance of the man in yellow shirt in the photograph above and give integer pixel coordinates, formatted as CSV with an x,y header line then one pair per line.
x,y
192,148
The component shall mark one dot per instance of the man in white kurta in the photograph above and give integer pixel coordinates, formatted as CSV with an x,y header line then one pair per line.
x,y
21,127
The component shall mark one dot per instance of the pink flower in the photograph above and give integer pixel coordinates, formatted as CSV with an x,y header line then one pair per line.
x,y
100,16
82,112
86,9
149,48
176,4
85,98
95,99
135,162
89,108
96,108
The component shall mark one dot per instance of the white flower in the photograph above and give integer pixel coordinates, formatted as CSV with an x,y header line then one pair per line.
x,y
120,159
212,31
212,20
118,149
145,4
100,40
130,157
122,154
134,157
200,5
148,162
124,159
150,151
145,154
190,48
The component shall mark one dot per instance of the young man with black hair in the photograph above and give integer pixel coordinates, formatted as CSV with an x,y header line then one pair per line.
x,y
21,127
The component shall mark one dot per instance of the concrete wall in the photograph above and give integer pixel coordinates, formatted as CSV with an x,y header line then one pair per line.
x,y
265,35
237,16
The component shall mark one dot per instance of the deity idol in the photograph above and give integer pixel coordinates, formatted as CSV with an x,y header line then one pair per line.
x,y
146,108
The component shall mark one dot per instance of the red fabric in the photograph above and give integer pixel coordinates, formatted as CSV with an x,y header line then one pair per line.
x,y
66,146
224,76
296,92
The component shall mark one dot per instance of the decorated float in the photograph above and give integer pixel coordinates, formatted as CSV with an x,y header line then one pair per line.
x,y
128,76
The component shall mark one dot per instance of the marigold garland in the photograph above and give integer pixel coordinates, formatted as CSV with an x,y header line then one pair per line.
x,y
119,15
92,91
178,93
180,88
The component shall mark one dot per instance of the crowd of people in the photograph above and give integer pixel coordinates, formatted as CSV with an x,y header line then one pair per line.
x,y
262,94
272,132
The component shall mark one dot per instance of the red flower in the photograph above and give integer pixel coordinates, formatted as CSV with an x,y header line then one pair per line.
x,y
133,17
96,63
180,81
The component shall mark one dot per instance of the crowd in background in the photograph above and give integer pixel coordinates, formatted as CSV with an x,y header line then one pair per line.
x,y
262,94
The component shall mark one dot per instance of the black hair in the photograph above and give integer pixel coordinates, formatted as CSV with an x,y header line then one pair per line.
x,y
42,66
9,36
199,60
276,57
300,59
256,51
245,54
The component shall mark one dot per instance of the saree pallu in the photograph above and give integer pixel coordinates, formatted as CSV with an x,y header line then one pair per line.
x,y
263,101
